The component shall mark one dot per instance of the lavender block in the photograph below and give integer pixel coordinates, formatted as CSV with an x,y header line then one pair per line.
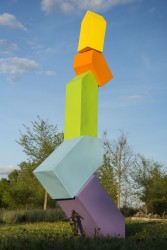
x,y
98,210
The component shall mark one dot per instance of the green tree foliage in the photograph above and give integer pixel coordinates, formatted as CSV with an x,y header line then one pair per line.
x,y
121,169
107,179
22,189
151,183
8,198
39,141
4,183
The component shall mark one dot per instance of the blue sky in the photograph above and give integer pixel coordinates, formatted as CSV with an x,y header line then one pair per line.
x,y
38,40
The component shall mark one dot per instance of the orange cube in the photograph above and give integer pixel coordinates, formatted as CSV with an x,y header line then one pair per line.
x,y
94,61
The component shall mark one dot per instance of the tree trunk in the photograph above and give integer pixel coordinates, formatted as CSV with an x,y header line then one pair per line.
x,y
119,193
45,201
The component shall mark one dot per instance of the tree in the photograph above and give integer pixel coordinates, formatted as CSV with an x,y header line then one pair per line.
x,y
151,185
4,183
39,142
122,160
7,194
28,191
106,178
22,189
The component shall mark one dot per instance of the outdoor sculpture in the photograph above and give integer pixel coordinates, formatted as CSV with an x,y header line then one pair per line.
x,y
67,174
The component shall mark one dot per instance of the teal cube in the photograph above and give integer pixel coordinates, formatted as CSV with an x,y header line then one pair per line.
x,y
67,169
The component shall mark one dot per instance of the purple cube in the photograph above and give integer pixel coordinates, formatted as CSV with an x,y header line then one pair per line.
x,y
100,214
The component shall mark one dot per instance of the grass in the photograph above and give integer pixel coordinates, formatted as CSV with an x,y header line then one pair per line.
x,y
141,230
58,235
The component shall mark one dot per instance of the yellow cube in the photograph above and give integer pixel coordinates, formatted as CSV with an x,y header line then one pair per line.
x,y
92,33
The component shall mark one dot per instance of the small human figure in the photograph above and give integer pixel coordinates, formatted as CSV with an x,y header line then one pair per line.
x,y
76,219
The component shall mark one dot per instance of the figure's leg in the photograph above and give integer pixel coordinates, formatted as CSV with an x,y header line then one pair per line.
x,y
80,228
75,229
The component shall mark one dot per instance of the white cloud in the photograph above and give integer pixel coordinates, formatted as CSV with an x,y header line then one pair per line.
x,y
50,50
134,97
14,67
48,5
50,73
68,6
4,171
44,51
11,21
7,47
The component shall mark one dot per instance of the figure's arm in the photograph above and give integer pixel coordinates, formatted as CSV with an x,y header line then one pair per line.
x,y
81,217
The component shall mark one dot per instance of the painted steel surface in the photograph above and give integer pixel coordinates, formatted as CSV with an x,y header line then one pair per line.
x,y
81,107
67,169
99,212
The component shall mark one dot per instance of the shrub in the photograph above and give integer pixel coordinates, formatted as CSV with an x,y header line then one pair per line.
x,y
11,217
128,211
37,215
49,215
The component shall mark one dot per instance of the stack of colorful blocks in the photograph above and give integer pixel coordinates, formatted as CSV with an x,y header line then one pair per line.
x,y
67,174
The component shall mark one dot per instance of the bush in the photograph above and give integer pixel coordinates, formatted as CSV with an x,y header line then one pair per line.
x,y
128,211
11,217
50,215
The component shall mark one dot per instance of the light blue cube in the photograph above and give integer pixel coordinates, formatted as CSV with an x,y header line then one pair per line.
x,y
67,169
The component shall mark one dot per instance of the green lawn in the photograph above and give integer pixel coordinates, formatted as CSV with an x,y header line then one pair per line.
x,y
58,235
